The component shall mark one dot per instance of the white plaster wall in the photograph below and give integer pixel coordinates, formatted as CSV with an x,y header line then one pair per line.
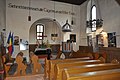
x,y
76,28
83,18
2,14
16,19
19,16
52,28
110,11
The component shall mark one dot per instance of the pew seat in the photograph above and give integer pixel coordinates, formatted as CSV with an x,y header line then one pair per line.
x,y
49,64
60,66
113,74
88,68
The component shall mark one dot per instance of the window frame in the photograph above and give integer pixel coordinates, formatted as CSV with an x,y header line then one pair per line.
x,y
42,36
91,18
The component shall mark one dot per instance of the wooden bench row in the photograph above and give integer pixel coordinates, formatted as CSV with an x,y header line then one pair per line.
x,y
67,69
49,65
69,73
21,68
112,74
60,66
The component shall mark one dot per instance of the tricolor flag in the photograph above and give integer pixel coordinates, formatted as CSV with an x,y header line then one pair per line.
x,y
10,43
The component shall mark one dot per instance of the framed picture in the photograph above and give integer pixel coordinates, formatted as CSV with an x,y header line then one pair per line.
x,y
73,37
112,39
100,40
16,40
89,40
23,44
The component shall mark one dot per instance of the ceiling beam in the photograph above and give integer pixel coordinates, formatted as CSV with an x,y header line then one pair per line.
x,y
118,1
75,2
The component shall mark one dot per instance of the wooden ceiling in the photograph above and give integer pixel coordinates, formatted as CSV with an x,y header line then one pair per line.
x,y
118,1
76,2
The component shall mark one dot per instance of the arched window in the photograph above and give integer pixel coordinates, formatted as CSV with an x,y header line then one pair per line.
x,y
40,31
93,17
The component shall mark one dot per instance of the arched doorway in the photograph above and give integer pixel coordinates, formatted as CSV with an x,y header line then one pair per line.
x,y
50,27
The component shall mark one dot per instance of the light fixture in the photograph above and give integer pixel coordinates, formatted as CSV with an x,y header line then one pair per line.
x,y
72,15
54,35
98,23
67,27
29,17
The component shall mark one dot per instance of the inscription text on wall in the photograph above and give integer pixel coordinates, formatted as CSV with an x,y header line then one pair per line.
x,y
10,5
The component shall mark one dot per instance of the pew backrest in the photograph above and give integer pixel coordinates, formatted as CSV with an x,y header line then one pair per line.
x,y
59,66
115,61
49,64
113,74
21,66
36,64
88,68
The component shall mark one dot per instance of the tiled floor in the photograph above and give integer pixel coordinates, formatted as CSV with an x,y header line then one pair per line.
x,y
29,77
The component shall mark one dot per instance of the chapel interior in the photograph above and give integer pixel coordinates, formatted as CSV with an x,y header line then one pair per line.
x,y
59,39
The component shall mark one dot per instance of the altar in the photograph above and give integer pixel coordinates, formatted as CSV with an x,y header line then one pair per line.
x,y
43,51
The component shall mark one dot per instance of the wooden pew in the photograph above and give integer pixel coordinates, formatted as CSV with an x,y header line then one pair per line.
x,y
36,65
115,61
46,68
53,62
87,68
21,67
50,64
59,66
113,74
5,66
34,60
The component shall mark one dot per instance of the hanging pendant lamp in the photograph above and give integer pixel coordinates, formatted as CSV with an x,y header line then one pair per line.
x,y
54,35
67,27
29,17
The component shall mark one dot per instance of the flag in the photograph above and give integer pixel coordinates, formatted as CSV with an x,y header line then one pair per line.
x,y
12,40
9,38
10,43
